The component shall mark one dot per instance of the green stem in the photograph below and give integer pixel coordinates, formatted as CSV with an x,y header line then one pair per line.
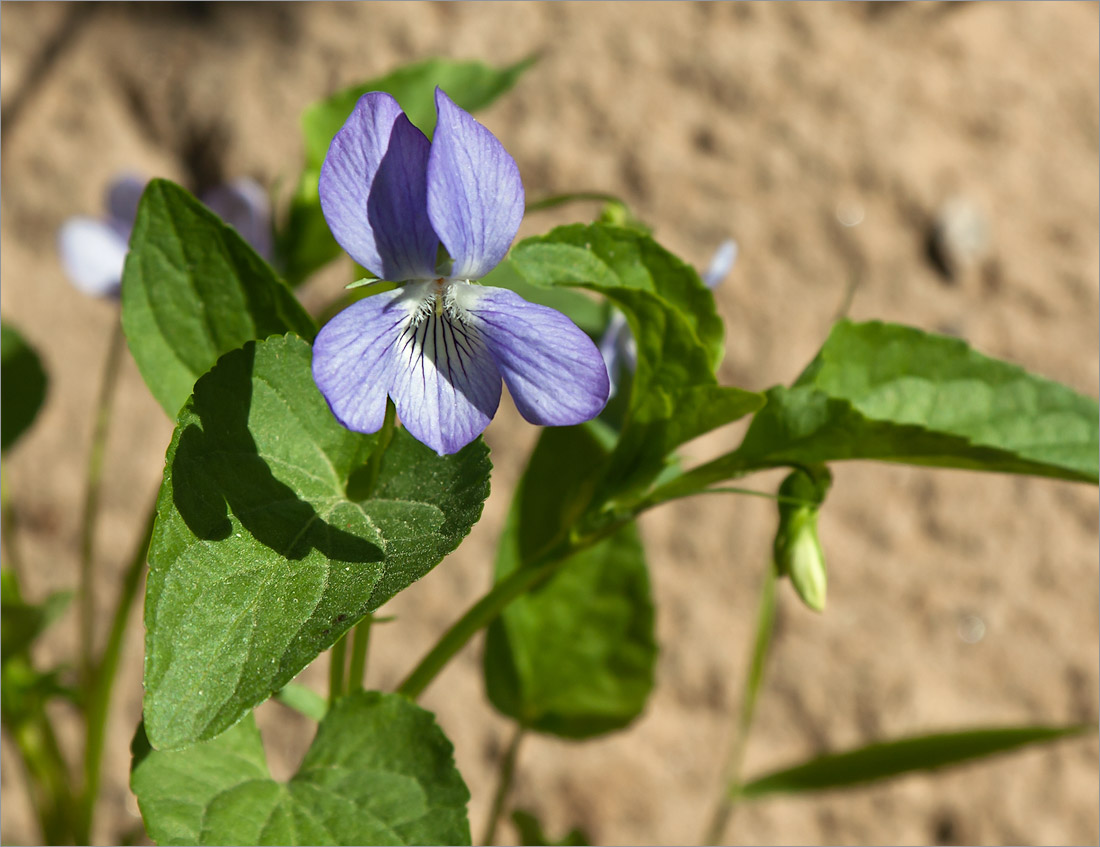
x,y
385,436
98,700
9,522
336,669
48,778
504,786
561,199
765,620
359,644
91,505
485,610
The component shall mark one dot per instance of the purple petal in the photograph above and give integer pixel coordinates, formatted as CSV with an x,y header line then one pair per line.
x,y
351,358
445,384
123,196
243,204
720,264
373,191
553,370
93,254
475,196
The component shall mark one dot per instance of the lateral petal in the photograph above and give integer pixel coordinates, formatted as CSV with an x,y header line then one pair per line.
x,y
373,191
475,195
351,361
554,372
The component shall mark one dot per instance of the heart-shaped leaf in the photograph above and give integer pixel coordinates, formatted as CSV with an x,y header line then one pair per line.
x,y
575,657
22,385
380,771
261,556
193,289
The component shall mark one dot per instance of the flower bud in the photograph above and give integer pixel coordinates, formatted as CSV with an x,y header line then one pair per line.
x,y
798,552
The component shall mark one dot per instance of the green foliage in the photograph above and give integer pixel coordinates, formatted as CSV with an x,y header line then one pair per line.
x,y
531,832
305,244
192,290
890,392
894,758
22,622
24,689
679,337
574,657
380,771
268,547
22,385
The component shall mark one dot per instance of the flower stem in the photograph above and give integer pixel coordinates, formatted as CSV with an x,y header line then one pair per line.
x,y
91,506
731,781
336,669
48,778
504,786
486,610
97,704
359,644
8,530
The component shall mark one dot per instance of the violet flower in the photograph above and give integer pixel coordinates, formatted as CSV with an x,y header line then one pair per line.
x,y
617,346
438,344
93,250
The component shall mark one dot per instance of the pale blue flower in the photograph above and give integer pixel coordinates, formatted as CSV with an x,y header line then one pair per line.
x,y
93,250
439,344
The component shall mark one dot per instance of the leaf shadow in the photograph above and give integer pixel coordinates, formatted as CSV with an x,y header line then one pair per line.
x,y
218,471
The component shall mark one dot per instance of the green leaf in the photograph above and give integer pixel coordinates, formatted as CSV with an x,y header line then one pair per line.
x,y
575,657
675,395
531,832
305,243
22,385
192,290
22,622
379,771
471,85
893,758
261,558
894,393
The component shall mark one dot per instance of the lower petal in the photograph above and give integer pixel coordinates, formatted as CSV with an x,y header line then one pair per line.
x,y
351,358
93,254
554,372
444,382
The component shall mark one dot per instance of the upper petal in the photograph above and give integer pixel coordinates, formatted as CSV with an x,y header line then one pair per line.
x,y
92,253
243,204
554,372
351,361
374,191
475,195
445,384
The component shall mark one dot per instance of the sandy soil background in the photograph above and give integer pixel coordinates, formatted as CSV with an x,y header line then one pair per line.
x,y
768,123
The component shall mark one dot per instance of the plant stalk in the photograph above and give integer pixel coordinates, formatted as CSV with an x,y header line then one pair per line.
x,y
336,669
98,702
504,786
91,506
486,610
360,644
731,781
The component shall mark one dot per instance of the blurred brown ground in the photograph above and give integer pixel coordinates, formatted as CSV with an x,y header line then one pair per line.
x,y
713,120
